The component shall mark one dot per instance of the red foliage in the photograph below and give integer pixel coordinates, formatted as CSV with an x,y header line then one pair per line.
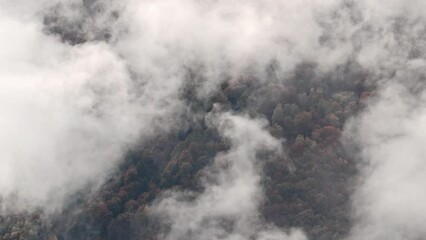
x,y
102,212
331,133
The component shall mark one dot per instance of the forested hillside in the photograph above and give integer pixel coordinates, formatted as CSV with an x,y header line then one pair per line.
x,y
307,187
212,120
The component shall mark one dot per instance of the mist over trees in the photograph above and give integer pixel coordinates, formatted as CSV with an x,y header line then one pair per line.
x,y
208,120
306,186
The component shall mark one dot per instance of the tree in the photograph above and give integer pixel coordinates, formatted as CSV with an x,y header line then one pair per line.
x,y
278,115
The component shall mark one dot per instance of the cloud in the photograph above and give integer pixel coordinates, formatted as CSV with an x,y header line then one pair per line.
x,y
224,38
390,196
389,200
68,112
66,115
389,133
228,206
235,39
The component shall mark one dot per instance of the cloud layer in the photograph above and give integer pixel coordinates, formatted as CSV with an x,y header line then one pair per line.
x,y
389,201
69,112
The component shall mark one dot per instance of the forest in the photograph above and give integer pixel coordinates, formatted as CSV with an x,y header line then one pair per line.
x,y
308,187
212,120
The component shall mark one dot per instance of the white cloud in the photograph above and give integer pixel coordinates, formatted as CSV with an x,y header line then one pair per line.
x,y
66,115
228,206
389,201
